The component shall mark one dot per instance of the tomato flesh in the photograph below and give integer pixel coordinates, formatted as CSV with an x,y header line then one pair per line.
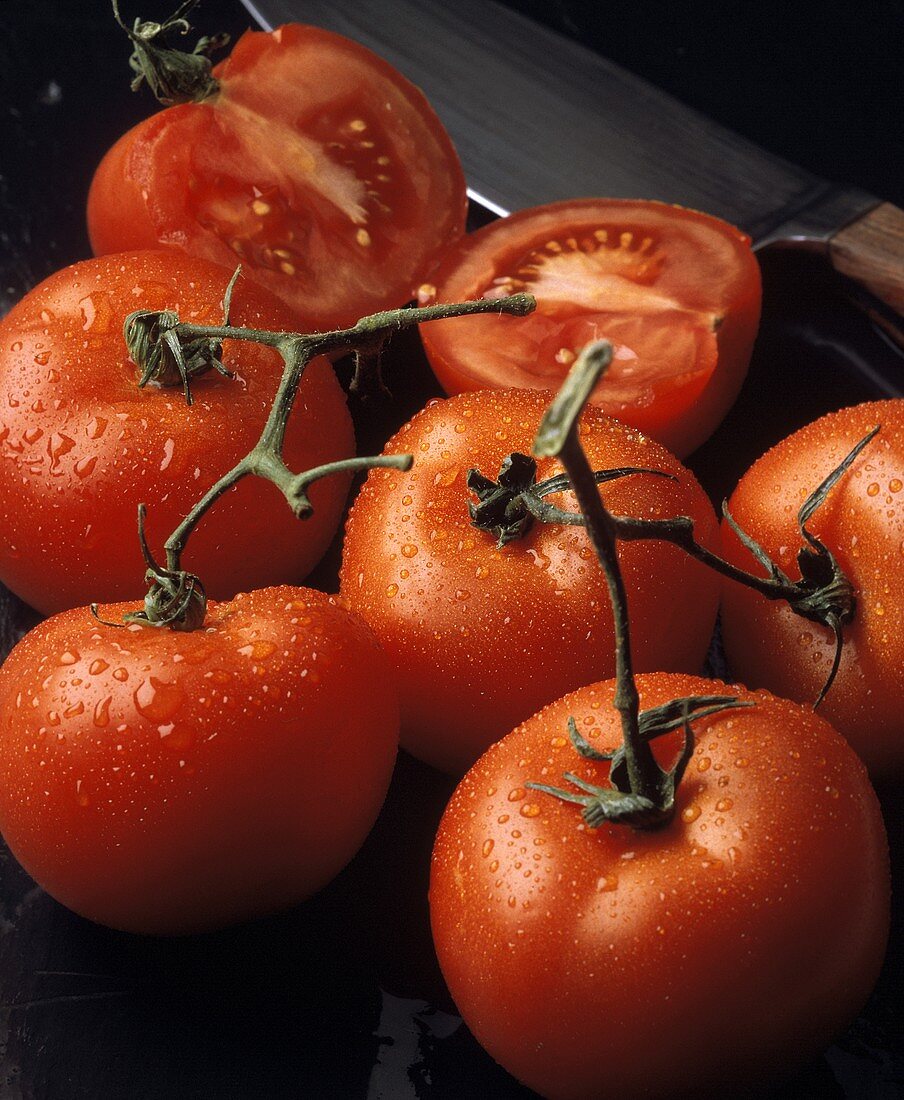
x,y
316,166
676,292
160,781
727,946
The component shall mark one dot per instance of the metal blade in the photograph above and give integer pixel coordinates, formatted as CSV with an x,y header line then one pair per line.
x,y
537,118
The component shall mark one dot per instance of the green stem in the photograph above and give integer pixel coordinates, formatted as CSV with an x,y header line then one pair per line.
x,y
558,436
146,333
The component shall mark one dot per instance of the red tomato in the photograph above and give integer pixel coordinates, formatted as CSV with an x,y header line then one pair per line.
x,y
732,943
677,293
481,637
862,523
163,781
316,165
81,445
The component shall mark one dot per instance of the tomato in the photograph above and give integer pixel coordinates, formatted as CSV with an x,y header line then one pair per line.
x,y
862,524
165,781
734,942
676,291
482,636
81,445
316,165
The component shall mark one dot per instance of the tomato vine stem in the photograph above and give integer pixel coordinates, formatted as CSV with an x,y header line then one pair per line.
x,y
170,352
641,794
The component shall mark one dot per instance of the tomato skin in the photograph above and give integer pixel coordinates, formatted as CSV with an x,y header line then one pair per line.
x,y
694,287
167,782
81,445
482,637
733,943
862,523
317,166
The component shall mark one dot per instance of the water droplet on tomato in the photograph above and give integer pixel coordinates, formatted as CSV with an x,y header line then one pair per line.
x,y
690,813
516,794
81,797
872,489
97,666
606,884
391,590
96,427
158,700
530,809
85,466
102,712
487,848
69,657
42,358
74,711
446,478
724,804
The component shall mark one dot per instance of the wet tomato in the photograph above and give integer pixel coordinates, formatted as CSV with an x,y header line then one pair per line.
x,y
862,523
165,781
81,445
676,291
730,944
481,636
316,166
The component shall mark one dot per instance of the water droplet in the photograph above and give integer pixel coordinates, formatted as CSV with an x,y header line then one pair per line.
x,y
724,804
158,700
260,651
690,813
81,797
606,884
530,809
96,427
487,848
446,478
704,763
69,657
85,466
391,590
462,594
895,485
516,794
120,674
97,666
42,358
872,489
409,550
75,710
102,712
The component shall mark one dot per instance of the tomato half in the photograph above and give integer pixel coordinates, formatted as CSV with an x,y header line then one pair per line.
x,y
862,523
162,781
482,636
316,166
81,445
731,944
677,292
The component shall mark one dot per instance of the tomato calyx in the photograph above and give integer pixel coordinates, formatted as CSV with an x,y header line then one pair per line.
x,y
824,594
618,804
173,76
508,506
154,344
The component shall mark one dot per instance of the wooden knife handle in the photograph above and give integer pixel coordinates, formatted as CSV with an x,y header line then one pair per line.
x,y
871,252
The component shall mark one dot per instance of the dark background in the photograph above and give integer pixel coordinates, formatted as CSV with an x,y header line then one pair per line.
x,y
341,998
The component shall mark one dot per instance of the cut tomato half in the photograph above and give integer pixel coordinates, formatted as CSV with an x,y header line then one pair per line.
x,y
677,292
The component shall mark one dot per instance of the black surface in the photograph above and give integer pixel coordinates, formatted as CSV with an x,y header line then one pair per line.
x,y
341,997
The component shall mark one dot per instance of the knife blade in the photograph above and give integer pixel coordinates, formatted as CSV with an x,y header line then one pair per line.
x,y
537,118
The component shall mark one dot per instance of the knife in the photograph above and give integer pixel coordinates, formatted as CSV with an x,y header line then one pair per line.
x,y
537,118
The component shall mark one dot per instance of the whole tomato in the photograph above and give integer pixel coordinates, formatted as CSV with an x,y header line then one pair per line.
x,y
166,781
482,635
677,292
81,445
728,945
315,165
861,522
